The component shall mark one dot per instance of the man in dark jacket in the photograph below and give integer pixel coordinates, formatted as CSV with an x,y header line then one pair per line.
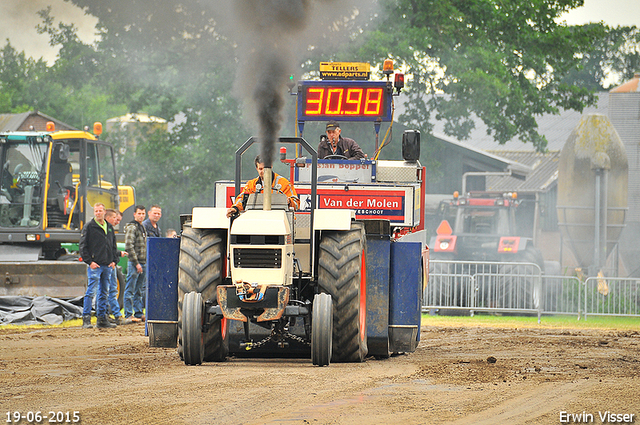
x,y
335,144
98,249
151,223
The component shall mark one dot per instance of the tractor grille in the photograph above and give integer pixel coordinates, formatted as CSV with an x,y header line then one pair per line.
x,y
257,258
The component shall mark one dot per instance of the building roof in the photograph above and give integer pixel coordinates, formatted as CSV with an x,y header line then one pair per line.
x,y
630,86
543,176
12,122
556,128
543,167
15,122
490,158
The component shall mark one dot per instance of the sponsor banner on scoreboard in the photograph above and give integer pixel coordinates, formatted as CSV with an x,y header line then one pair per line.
x,y
382,204
393,203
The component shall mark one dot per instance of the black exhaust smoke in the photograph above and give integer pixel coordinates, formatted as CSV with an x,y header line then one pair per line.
x,y
272,26
269,99
273,35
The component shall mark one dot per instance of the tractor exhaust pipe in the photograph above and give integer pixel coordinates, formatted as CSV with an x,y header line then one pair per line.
x,y
266,197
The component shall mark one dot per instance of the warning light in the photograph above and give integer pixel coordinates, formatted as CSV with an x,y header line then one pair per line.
x,y
291,82
51,126
387,67
398,81
283,153
97,128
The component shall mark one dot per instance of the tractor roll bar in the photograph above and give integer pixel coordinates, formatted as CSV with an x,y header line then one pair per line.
x,y
314,176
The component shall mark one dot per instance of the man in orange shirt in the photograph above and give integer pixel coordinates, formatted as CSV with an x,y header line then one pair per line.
x,y
256,185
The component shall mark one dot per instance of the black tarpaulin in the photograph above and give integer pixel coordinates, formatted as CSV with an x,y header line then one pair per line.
x,y
37,310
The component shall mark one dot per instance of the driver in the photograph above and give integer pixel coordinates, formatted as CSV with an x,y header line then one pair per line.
x,y
335,144
255,185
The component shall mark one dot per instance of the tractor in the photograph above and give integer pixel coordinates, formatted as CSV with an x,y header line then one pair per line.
x,y
479,237
333,280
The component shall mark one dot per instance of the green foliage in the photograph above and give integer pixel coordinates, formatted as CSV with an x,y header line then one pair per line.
x,y
502,60
506,61
614,57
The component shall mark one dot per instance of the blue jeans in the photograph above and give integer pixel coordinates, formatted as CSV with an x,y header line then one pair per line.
x,y
134,290
114,306
98,281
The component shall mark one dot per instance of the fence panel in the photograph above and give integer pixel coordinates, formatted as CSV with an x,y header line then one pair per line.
x,y
484,286
611,296
562,295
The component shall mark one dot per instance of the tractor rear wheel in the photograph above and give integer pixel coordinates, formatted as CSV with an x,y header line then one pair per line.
x,y
341,274
321,330
192,336
202,257
521,285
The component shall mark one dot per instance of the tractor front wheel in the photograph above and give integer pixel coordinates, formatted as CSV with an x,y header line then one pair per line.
x,y
202,259
321,330
192,336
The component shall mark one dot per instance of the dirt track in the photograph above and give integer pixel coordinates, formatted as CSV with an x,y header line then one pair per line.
x,y
114,377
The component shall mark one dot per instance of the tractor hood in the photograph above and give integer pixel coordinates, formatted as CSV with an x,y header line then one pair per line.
x,y
261,222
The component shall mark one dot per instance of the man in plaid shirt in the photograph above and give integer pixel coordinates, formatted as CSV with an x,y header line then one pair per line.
x,y
135,243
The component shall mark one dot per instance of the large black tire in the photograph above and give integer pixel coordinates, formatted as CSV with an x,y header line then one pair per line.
x,y
321,330
341,274
192,335
202,257
522,287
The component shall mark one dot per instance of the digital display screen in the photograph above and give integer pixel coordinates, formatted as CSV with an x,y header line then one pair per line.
x,y
344,101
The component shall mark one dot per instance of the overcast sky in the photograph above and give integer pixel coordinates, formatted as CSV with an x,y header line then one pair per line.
x,y
18,20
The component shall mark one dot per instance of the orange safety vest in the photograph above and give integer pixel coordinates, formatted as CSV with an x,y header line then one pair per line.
x,y
278,182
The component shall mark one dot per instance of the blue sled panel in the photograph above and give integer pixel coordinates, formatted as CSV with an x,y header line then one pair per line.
x,y
405,311
378,249
163,257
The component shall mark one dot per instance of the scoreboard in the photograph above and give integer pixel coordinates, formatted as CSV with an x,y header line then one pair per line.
x,y
344,100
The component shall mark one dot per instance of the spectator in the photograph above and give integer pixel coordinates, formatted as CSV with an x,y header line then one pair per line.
x,y
151,223
98,249
135,243
335,144
114,217
171,233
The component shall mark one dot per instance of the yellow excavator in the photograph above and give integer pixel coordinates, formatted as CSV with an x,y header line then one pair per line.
x,y
49,182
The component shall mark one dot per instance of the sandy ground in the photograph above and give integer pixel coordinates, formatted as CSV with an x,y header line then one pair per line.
x,y
114,377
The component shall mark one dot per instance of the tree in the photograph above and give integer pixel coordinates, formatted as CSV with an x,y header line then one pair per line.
x,y
19,75
502,60
613,60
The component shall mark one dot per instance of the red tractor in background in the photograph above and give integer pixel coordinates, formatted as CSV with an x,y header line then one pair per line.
x,y
479,240
482,227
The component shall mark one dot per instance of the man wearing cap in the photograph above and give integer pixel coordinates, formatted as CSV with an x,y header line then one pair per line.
x,y
335,144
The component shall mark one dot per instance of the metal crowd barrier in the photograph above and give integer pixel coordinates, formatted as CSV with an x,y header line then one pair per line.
x,y
611,296
521,288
